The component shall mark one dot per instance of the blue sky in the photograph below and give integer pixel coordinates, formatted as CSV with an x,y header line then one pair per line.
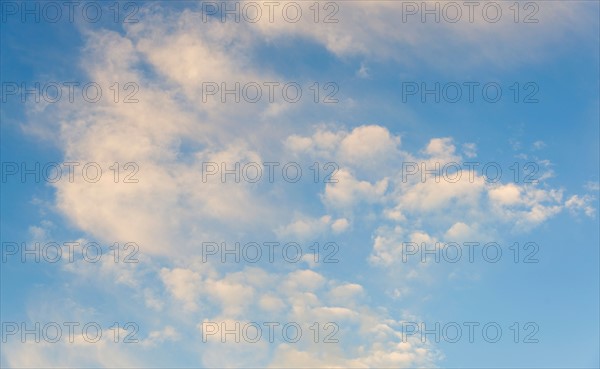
x,y
377,287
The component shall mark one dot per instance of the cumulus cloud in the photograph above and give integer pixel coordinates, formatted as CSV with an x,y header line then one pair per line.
x,y
340,225
368,145
305,228
184,285
171,209
349,191
508,194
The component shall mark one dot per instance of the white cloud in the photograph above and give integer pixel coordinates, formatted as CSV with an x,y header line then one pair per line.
x,y
349,191
438,197
184,285
346,292
470,150
303,280
271,303
169,133
367,146
340,225
508,194
576,202
450,45
592,186
305,228
363,71
168,333
460,232
538,145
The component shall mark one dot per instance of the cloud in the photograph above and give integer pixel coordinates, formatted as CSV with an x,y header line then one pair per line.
x,y
538,145
169,333
184,285
166,136
340,225
363,71
305,228
470,150
576,202
170,210
592,186
460,232
367,146
508,194
349,191
458,45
